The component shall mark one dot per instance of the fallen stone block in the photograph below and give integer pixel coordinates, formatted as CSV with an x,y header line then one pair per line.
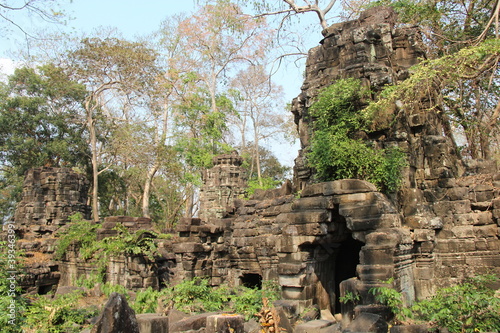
x,y
192,323
225,323
152,323
367,322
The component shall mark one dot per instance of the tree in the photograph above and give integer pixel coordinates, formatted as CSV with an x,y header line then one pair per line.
x,y
289,7
42,9
107,67
38,127
200,134
260,110
169,89
218,37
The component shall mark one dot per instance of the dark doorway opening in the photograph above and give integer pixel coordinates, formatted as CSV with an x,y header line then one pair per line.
x,y
251,280
347,260
44,290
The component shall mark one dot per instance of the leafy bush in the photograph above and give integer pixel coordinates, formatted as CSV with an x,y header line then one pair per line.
x,y
109,288
58,315
267,183
146,301
467,307
197,296
350,297
80,232
248,301
12,305
334,151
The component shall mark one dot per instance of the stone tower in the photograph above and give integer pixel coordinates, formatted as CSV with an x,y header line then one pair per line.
x,y
222,184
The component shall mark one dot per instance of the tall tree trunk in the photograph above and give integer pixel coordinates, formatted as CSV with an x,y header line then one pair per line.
x,y
147,188
257,151
159,142
95,171
189,204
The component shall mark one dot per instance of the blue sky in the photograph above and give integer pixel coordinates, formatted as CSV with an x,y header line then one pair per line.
x,y
132,18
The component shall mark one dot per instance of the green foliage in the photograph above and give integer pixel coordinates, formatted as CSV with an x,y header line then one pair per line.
x,y
471,306
468,307
109,288
147,301
267,183
350,297
197,296
60,314
392,298
12,305
248,301
335,154
80,232
38,127
37,120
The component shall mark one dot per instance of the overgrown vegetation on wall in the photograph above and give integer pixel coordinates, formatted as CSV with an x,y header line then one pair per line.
x,y
472,306
335,151
82,234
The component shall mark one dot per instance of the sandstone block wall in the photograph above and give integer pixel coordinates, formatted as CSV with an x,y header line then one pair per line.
x,y
50,196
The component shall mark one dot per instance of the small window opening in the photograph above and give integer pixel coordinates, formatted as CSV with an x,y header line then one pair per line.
x,y
250,280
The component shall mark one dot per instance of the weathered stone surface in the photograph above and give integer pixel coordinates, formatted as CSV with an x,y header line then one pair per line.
x,y
313,326
367,322
224,183
191,323
116,317
152,323
225,323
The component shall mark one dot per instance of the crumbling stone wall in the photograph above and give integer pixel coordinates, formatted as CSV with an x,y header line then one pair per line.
x,y
447,206
441,227
50,196
135,272
336,236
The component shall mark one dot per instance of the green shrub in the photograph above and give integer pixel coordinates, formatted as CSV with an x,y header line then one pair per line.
x,y
197,295
83,235
267,183
334,151
248,301
58,315
467,307
109,288
80,232
147,301
12,305
350,297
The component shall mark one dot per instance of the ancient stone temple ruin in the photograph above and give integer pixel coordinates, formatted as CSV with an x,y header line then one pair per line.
x,y
317,240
